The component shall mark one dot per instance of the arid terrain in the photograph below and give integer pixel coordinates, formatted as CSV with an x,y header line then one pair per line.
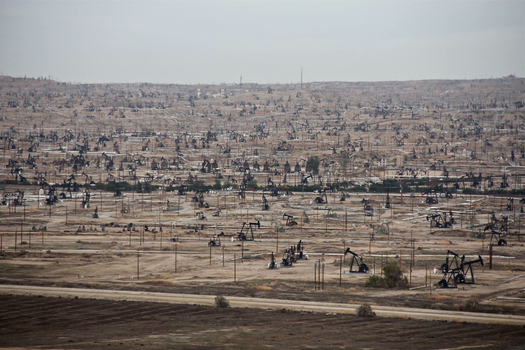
x,y
193,188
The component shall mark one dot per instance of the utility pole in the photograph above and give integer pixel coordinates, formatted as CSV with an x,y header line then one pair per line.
x,y
277,242
175,249
319,274
234,268
340,270
315,276
322,285
138,264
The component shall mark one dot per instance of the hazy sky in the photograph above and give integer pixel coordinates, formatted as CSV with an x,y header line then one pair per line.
x,y
216,41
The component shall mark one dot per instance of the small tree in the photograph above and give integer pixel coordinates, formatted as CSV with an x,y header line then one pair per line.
x,y
226,184
312,165
375,281
252,184
217,185
393,278
221,301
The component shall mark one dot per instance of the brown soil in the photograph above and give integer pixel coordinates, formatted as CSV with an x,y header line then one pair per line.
x,y
27,322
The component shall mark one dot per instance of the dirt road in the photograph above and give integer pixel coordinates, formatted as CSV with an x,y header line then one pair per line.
x,y
260,303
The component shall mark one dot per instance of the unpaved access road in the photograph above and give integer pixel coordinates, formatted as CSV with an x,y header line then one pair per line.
x,y
260,303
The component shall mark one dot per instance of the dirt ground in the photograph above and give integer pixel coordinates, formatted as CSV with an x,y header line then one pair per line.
x,y
52,323
138,201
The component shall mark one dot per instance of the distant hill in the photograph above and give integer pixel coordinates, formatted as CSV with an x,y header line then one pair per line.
x,y
429,94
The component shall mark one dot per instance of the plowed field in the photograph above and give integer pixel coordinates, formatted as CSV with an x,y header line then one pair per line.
x,y
51,323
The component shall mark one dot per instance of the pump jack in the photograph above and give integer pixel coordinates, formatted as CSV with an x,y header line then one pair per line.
x,y
272,264
440,220
247,227
322,198
288,257
358,261
289,220
216,240
497,228
300,249
265,203
496,237
455,270
430,199
369,210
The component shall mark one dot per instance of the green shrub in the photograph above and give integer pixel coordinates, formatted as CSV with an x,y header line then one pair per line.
x,y
217,185
393,278
375,282
252,184
221,301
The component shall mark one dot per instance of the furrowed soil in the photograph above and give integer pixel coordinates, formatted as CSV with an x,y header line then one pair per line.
x,y
59,323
